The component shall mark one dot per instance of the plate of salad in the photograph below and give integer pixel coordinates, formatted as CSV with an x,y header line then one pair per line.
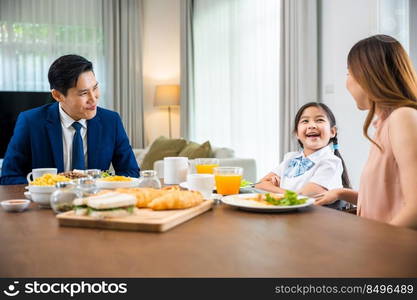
x,y
268,202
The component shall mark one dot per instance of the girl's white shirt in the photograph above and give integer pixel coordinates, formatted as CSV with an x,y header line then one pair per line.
x,y
326,171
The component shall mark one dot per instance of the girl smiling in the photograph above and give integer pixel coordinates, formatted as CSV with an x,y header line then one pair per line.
x,y
319,167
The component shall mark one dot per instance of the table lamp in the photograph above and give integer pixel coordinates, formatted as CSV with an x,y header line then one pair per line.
x,y
167,96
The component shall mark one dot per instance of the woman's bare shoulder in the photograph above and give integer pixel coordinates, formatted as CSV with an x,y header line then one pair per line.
x,y
403,128
403,116
403,112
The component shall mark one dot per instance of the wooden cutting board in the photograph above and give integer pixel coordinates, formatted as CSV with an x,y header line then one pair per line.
x,y
145,219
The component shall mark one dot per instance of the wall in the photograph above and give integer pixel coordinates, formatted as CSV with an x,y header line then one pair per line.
x,y
344,22
161,63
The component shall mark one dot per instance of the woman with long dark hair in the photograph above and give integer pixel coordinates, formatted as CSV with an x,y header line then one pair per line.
x,y
382,80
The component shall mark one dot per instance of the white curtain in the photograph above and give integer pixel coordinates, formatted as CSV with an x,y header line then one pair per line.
x,y
35,33
187,68
413,30
298,64
236,77
123,26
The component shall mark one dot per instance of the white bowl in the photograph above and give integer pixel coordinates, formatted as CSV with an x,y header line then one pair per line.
x,y
102,184
15,205
41,194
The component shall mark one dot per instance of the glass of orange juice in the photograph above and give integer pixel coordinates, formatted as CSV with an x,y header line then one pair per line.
x,y
206,165
228,179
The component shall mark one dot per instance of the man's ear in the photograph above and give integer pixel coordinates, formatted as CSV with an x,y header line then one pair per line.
x,y
57,95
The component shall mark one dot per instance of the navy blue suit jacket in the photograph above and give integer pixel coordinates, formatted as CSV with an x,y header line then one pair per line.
x,y
37,143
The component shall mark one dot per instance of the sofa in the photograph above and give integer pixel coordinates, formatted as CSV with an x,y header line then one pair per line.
x,y
226,157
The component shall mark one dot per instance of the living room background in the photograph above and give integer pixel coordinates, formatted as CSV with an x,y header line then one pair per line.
x,y
341,24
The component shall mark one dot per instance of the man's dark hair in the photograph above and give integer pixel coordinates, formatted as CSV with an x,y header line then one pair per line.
x,y
64,72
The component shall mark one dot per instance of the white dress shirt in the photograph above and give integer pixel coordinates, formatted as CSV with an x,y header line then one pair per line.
x,y
326,171
68,133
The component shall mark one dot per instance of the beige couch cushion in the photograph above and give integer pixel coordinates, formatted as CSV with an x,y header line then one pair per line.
x,y
160,148
219,152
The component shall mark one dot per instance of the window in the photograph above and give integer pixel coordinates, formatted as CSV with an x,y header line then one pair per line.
x,y
236,78
34,33
393,20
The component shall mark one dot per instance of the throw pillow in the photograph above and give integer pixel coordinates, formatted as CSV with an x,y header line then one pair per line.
x,y
160,148
194,150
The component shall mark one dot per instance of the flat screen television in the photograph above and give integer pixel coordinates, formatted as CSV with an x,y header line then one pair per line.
x,y
11,104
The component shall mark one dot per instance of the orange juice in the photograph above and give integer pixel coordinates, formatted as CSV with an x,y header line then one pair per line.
x,y
205,169
228,184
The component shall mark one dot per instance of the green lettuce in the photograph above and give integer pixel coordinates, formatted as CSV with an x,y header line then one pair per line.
x,y
244,183
105,174
290,198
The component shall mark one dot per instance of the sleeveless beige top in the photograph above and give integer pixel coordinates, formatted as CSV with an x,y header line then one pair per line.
x,y
380,197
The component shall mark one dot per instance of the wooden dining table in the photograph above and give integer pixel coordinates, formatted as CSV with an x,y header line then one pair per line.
x,y
223,242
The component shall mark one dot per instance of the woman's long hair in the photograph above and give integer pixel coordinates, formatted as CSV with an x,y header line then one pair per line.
x,y
332,120
383,69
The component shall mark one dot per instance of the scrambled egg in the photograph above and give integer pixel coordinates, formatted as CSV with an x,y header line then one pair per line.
x,y
116,178
49,179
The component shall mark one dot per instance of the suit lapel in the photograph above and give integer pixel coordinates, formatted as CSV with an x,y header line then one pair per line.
x,y
53,127
93,141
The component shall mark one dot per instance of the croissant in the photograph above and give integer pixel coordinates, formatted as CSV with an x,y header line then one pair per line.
x,y
176,200
143,195
172,188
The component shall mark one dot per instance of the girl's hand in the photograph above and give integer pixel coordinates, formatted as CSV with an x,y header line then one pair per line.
x,y
328,197
272,178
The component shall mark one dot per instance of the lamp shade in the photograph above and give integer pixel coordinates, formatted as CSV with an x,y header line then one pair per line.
x,y
167,95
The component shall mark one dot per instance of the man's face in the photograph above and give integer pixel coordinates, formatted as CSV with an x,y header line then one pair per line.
x,y
81,100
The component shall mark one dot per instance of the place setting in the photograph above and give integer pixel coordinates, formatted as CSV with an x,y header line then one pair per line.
x,y
226,185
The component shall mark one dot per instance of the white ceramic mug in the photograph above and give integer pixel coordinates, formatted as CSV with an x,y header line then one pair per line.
x,y
36,173
202,183
175,169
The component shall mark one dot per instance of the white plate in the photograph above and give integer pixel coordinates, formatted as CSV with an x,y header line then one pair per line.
x,y
215,197
241,201
184,185
28,195
102,184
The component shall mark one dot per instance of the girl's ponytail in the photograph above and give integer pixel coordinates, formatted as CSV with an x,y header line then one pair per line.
x,y
345,176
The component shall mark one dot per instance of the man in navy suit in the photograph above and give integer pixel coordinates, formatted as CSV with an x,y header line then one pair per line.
x,y
72,133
